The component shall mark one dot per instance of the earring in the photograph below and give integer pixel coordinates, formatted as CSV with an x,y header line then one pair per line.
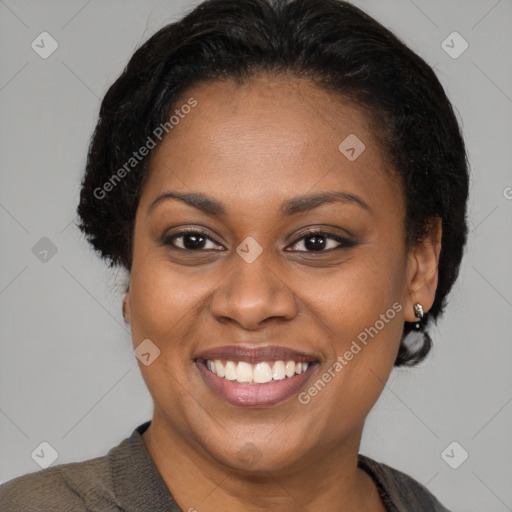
x,y
418,313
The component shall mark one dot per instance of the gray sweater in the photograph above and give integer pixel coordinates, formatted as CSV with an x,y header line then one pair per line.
x,y
127,480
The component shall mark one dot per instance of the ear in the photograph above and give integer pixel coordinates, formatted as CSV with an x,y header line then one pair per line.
x,y
422,271
126,306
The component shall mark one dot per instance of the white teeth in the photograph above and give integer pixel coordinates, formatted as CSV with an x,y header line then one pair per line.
x,y
259,373
298,368
219,367
230,370
290,368
262,373
243,372
278,370
211,366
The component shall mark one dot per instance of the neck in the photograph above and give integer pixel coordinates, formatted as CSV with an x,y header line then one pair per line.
x,y
328,481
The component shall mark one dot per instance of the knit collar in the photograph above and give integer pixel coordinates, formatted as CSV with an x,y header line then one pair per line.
x,y
137,482
140,488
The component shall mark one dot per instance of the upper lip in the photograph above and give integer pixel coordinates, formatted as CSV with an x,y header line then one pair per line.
x,y
256,354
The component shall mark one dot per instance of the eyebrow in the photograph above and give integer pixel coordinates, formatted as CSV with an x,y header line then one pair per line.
x,y
290,207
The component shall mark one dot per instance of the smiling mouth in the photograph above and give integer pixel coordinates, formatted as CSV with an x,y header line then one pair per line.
x,y
263,372
255,376
256,385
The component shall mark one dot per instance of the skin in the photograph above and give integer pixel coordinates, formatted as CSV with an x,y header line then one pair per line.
x,y
252,147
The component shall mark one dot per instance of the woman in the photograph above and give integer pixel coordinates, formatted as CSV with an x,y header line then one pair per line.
x,y
286,184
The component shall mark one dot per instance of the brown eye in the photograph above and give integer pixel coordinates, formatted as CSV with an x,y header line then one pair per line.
x,y
190,240
320,241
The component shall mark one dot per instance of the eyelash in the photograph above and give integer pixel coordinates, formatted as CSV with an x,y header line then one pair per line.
x,y
345,243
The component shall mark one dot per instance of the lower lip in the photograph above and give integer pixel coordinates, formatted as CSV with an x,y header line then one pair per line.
x,y
254,395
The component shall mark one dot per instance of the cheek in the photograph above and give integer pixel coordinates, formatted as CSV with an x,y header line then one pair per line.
x,y
162,306
362,291
362,312
161,299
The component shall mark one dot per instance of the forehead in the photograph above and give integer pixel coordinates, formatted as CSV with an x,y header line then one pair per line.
x,y
268,138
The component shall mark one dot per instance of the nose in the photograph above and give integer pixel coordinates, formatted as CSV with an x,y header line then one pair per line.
x,y
253,293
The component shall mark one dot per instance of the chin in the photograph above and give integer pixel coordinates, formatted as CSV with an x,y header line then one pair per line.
x,y
258,457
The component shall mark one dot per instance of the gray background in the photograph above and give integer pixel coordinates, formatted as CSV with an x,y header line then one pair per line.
x,y
67,372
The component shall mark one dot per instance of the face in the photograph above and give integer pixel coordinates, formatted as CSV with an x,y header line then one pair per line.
x,y
259,244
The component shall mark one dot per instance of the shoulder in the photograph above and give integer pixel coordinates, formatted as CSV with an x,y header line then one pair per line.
x,y
399,489
77,486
